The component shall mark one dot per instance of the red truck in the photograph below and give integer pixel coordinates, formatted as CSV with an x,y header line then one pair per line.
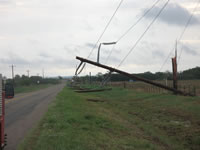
x,y
2,115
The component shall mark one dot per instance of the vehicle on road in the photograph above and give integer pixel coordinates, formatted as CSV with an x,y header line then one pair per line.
x,y
9,90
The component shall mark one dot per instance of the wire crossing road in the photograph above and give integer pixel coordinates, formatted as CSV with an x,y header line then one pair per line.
x,y
24,112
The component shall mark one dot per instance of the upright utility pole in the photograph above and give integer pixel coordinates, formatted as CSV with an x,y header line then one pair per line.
x,y
43,73
28,73
90,78
13,75
174,68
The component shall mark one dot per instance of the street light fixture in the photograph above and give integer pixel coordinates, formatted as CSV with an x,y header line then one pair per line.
x,y
98,54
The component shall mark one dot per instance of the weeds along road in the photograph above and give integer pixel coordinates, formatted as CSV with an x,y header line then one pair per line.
x,y
24,112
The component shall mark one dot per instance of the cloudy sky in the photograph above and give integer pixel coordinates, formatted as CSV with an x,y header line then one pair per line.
x,y
49,34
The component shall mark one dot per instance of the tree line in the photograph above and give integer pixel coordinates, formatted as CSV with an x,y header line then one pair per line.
x,y
26,81
190,74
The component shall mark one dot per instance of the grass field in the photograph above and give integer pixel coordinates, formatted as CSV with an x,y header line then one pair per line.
x,y
30,88
188,86
120,119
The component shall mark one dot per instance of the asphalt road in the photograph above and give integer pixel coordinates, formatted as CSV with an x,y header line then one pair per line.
x,y
24,112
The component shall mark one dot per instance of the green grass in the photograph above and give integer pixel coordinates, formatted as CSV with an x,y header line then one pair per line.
x,y
30,88
126,120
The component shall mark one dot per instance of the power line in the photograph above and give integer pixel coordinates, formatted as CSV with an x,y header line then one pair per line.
x,y
136,43
186,26
181,35
131,27
105,28
101,35
140,36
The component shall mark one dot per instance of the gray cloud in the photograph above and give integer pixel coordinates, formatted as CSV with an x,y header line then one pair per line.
x,y
158,53
14,60
73,49
43,60
129,5
189,50
155,49
50,60
49,34
63,62
90,45
173,14
5,1
44,55
114,60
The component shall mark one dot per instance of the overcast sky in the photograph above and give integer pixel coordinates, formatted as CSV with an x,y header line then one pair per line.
x,y
49,34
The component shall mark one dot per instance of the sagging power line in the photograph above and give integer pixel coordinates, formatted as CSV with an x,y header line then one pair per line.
x,y
101,35
131,27
106,27
139,39
186,26
181,36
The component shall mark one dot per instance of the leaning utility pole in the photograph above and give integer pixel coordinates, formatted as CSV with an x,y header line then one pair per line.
x,y
174,68
132,76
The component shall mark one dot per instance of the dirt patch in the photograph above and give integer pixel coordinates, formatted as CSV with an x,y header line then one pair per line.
x,y
138,115
156,140
178,114
185,128
133,113
95,100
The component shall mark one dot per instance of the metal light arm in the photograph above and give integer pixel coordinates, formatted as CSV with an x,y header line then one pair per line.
x,y
98,54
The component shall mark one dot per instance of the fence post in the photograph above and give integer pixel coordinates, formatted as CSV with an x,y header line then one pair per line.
x,y
124,84
194,91
189,89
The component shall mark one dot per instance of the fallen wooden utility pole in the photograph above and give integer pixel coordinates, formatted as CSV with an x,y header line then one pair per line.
x,y
133,76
